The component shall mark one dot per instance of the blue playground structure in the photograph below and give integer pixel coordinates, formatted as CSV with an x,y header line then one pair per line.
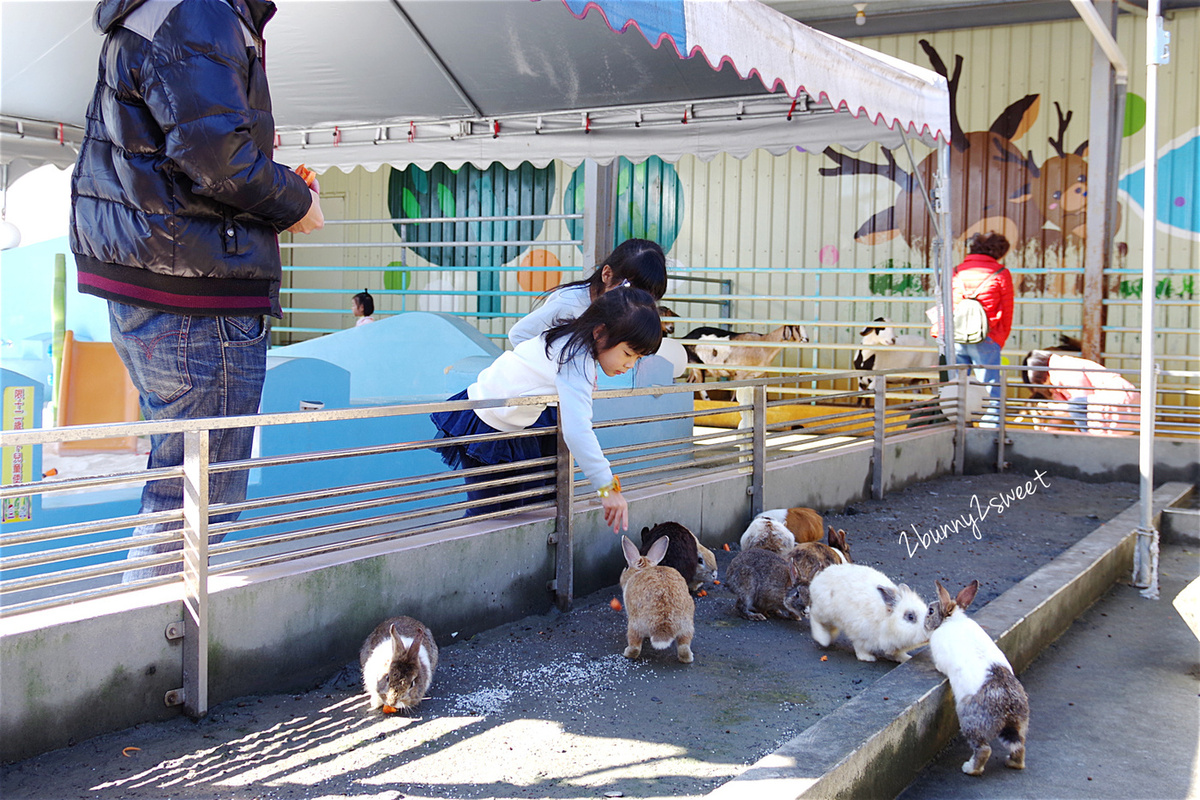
x,y
414,357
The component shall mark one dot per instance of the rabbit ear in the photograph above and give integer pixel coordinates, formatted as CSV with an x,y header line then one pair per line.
x,y
837,539
944,601
631,552
414,649
889,597
658,550
967,594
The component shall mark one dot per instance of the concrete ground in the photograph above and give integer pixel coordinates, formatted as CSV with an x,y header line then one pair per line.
x,y
1114,707
548,707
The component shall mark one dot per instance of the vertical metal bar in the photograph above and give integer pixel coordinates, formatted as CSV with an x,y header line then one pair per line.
x,y
877,466
1145,560
195,572
1002,424
564,526
962,377
758,461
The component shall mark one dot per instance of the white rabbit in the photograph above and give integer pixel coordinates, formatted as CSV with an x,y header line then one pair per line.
x,y
768,533
990,701
877,616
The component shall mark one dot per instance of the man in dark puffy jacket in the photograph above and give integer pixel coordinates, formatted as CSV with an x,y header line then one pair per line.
x,y
176,207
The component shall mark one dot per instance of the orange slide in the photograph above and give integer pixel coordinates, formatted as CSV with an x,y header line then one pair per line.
x,y
95,388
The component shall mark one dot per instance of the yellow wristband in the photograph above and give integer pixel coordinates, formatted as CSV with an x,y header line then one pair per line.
x,y
615,486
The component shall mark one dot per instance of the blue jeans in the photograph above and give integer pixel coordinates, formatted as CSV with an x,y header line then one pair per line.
x,y
980,354
186,367
1077,409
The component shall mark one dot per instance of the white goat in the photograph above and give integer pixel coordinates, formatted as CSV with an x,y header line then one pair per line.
x,y
878,352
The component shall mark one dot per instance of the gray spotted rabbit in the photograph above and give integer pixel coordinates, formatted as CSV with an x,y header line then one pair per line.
x,y
398,660
989,699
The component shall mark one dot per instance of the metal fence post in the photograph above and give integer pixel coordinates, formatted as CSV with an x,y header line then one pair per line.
x,y
1001,424
563,539
963,377
758,456
195,572
877,451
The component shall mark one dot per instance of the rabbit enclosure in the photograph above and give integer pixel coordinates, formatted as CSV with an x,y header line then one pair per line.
x,y
547,706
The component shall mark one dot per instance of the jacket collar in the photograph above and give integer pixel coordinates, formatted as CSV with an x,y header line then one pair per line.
x,y
979,261
255,13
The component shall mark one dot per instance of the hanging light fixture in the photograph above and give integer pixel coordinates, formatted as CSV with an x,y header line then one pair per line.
x,y
860,14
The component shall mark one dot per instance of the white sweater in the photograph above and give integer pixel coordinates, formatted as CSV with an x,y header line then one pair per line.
x,y
562,304
526,371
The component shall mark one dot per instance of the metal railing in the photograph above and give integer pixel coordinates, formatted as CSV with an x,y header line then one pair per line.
x,y
779,417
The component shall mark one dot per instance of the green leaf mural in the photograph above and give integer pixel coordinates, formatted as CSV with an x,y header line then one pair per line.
x,y
397,280
897,283
649,202
415,193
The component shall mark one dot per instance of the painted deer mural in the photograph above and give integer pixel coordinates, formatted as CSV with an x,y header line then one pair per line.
x,y
1059,188
994,185
990,178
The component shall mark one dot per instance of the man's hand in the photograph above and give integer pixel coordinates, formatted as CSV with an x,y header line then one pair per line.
x,y
314,220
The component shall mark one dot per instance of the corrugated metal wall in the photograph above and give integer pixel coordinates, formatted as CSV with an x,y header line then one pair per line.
x,y
783,235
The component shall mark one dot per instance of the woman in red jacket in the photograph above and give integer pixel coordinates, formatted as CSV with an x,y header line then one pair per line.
x,y
982,276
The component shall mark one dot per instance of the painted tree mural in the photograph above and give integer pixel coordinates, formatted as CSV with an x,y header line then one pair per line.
x,y
649,202
415,193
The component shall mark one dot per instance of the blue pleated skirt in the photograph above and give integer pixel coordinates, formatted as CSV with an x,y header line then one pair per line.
x,y
497,451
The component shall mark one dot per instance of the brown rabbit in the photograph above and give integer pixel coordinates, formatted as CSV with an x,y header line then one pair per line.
x,y
763,581
657,602
805,524
812,557
706,570
398,660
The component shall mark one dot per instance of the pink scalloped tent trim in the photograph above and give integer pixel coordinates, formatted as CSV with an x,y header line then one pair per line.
x,y
840,105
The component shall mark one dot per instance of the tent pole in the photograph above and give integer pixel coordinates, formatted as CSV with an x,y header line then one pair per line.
x,y
599,208
1145,561
1110,76
944,270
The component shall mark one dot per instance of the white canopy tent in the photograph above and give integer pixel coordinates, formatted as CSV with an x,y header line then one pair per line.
x,y
400,82
373,82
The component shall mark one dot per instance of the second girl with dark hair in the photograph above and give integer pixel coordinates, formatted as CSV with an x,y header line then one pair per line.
x,y
639,263
611,334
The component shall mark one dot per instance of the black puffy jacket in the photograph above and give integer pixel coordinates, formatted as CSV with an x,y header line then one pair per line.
x,y
175,201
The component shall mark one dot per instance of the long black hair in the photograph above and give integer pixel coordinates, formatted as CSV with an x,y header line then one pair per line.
x,y
627,315
639,261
